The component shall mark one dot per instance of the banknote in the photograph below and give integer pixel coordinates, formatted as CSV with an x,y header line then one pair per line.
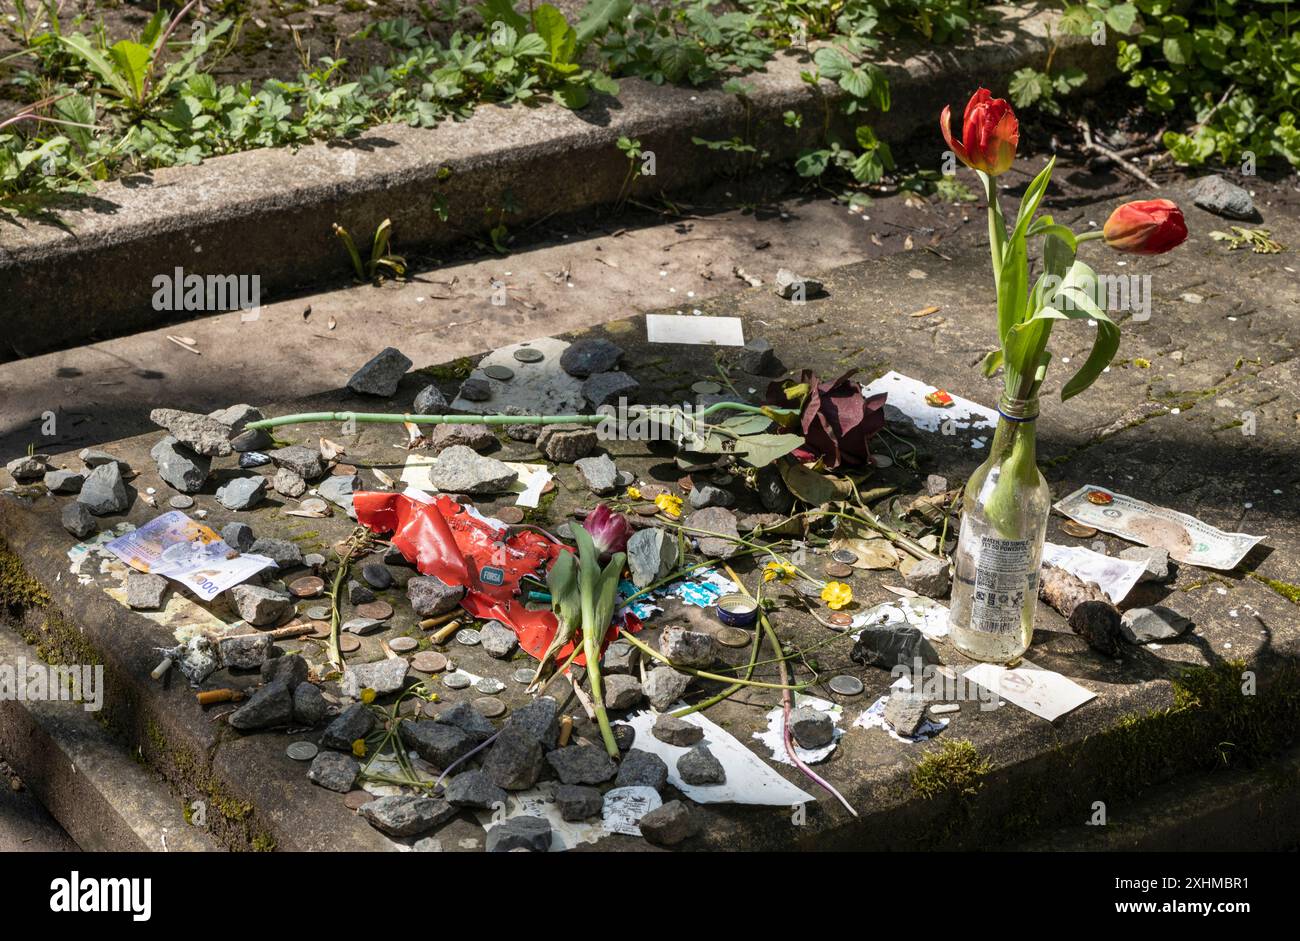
x,y
1187,538
1115,576
177,547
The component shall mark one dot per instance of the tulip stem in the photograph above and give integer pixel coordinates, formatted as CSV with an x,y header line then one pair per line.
x,y
997,227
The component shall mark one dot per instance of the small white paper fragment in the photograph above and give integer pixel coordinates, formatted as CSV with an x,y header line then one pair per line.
x,y
1115,576
695,331
1045,693
774,736
908,396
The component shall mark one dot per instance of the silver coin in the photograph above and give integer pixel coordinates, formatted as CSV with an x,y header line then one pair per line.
x,y
844,556
489,686
318,612
301,751
403,644
469,637
706,387
489,707
846,685
499,373
181,502
522,676
455,681
526,354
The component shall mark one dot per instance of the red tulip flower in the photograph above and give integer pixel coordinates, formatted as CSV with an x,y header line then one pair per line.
x,y
990,133
1146,227
609,531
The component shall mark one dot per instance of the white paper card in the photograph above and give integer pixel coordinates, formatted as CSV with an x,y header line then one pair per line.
x,y
696,331
1115,576
1045,693
908,396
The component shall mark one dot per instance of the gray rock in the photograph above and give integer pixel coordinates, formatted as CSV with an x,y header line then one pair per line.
x,y
1144,625
338,489
525,433
584,358
717,520
1217,195
622,691
359,593
688,648
469,720
905,712
430,595
474,435
104,491
250,444
334,771
381,375
499,641
93,457
362,626
238,536
28,468
144,591
698,766
285,554
935,485
242,493
288,484
244,651
888,645
608,388
757,358
463,470
474,389
473,789
377,575
564,444
708,495
664,686
515,760
674,731
791,286
582,764
383,676
406,815
599,473
291,668
438,743
260,606
180,467
540,719
520,833
303,461
1155,560
237,416
642,769
63,481
270,706
199,433
928,577
651,554
78,520
620,658
309,704
430,844
669,825
811,727
353,723
577,802
429,401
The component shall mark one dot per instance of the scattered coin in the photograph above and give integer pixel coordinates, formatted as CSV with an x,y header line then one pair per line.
x,y
650,491
378,610
455,681
523,676
527,354
343,470
549,486
846,685
882,460
349,643
301,751
510,515
429,661
490,706
353,800
838,570
733,637
181,502
1071,528
840,619
1100,498
647,509
320,628
403,644
706,387
489,686
499,373
844,556
309,586
686,483
468,636
318,612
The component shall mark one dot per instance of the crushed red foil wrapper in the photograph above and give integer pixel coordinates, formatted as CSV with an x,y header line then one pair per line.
x,y
463,547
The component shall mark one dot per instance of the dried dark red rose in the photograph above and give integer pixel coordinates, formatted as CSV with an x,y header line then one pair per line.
x,y
837,421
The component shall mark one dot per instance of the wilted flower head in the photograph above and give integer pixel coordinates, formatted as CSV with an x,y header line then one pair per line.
x,y
837,421
609,531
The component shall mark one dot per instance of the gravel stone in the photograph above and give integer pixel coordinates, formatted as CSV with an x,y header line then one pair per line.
x,y
577,802
642,769
473,789
565,444
515,760
303,461
887,646
607,388
429,401
271,705
620,658
698,766
309,704
288,484
664,686
78,520
377,576
599,473
381,375
905,712
928,577
757,358
285,554
715,519
674,731
688,648
104,491
582,764
291,668
244,651
708,495
499,641
64,481
181,467
539,719
622,691
353,723
1144,625
199,433
383,676
1219,196
242,493
463,470
475,390
669,825
238,536
584,358
430,595
811,727
520,833
144,592
476,436
1156,562
406,815
334,771
469,720
438,743
260,606
28,469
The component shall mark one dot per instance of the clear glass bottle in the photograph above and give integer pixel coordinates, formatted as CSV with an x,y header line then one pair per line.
x,y
1000,543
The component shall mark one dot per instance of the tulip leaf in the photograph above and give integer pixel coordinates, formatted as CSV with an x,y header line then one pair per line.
x,y
811,487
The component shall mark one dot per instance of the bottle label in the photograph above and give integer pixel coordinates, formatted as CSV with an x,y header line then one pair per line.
x,y
1002,577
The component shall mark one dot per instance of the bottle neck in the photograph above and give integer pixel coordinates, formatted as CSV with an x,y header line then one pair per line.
x,y
1017,420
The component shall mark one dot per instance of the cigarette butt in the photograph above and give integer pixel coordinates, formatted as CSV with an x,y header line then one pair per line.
x,y
290,630
161,669
212,696
441,636
430,623
566,729
388,651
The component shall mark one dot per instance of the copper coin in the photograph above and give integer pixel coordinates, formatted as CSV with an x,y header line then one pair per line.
x,y
376,610
647,509
353,800
489,706
510,515
1100,498
838,570
549,487
403,644
349,643
840,619
1071,528
309,586
429,661
320,628
650,491
343,470
686,483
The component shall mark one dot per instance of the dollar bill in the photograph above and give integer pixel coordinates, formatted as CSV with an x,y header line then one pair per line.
x,y
1188,539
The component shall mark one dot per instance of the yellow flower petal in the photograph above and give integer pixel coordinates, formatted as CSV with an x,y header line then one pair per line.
x,y
669,503
837,595
359,748
633,493
367,695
